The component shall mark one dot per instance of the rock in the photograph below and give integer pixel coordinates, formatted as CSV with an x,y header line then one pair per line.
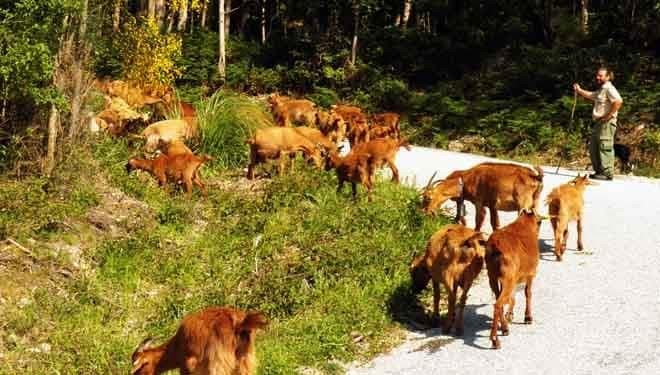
x,y
468,143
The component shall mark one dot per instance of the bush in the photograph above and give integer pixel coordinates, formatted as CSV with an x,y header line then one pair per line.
x,y
324,97
390,94
147,56
226,121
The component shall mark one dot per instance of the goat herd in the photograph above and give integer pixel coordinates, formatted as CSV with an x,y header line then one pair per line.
x,y
220,340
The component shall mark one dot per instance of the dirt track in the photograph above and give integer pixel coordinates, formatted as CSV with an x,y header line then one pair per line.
x,y
597,312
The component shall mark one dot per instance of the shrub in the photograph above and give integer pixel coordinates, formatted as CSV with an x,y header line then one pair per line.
x,y
147,56
324,97
226,121
390,94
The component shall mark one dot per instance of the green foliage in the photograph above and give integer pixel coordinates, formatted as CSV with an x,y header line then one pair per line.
x,y
226,121
147,55
318,264
324,97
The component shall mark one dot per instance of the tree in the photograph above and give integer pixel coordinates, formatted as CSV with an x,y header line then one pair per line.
x,y
183,16
407,8
222,63
584,17
356,29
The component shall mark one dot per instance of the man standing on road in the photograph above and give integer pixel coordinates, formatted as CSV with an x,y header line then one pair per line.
x,y
607,102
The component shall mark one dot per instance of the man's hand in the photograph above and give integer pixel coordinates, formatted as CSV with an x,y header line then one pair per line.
x,y
576,87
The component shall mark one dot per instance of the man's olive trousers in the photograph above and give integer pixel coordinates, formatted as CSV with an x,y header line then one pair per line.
x,y
601,147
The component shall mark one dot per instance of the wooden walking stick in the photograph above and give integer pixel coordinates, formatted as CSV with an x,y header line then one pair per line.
x,y
569,124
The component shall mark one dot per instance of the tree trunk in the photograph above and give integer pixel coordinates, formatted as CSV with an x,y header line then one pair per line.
x,y
78,67
183,16
49,162
407,7
222,64
263,21
160,12
548,31
356,28
151,9
205,8
227,17
584,17
116,13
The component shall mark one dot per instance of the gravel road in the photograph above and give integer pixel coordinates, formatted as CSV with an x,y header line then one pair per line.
x,y
597,312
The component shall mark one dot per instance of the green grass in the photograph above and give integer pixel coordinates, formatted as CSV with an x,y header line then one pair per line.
x,y
226,121
318,264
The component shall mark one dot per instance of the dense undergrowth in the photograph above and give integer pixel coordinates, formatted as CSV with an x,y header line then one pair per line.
x,y
325,269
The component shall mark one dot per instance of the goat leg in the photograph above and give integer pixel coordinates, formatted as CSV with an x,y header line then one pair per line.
x,y
494,217
528,301
435,318
451,307
579,233
481,214
395,171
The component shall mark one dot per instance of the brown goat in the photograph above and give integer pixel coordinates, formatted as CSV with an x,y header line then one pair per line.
x,y
512,256
355,168
174,147
277,143
317,137
167,130
384,152
292,111
565,203
332,125
385,125
454,257
178,168
213,341
357,126
496,186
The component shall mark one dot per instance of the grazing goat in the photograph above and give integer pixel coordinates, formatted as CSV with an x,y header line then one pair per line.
x,y
290,111
512,255
317,137
496,186
175,147
357,127
384,152
277,143
212,341
177,168
332,125
385,125
136,97
565,203
454,257
167,131
356,167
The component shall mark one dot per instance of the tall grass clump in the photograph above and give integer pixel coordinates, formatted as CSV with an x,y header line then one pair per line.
x,y
226,121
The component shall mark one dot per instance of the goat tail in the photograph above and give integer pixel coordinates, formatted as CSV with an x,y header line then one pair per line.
x,y
206,158
404,143
251,322
539,173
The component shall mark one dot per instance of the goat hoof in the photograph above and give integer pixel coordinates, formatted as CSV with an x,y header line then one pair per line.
x,y
509,317
505,332
496,344
558,258
528,320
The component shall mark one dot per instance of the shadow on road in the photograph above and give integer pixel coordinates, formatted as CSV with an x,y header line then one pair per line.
x,y
404,307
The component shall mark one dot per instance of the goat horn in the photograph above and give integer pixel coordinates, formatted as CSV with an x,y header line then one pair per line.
x,y
428,185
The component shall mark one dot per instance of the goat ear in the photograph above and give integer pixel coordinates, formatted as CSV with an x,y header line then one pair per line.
x,y
137,365
145,344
